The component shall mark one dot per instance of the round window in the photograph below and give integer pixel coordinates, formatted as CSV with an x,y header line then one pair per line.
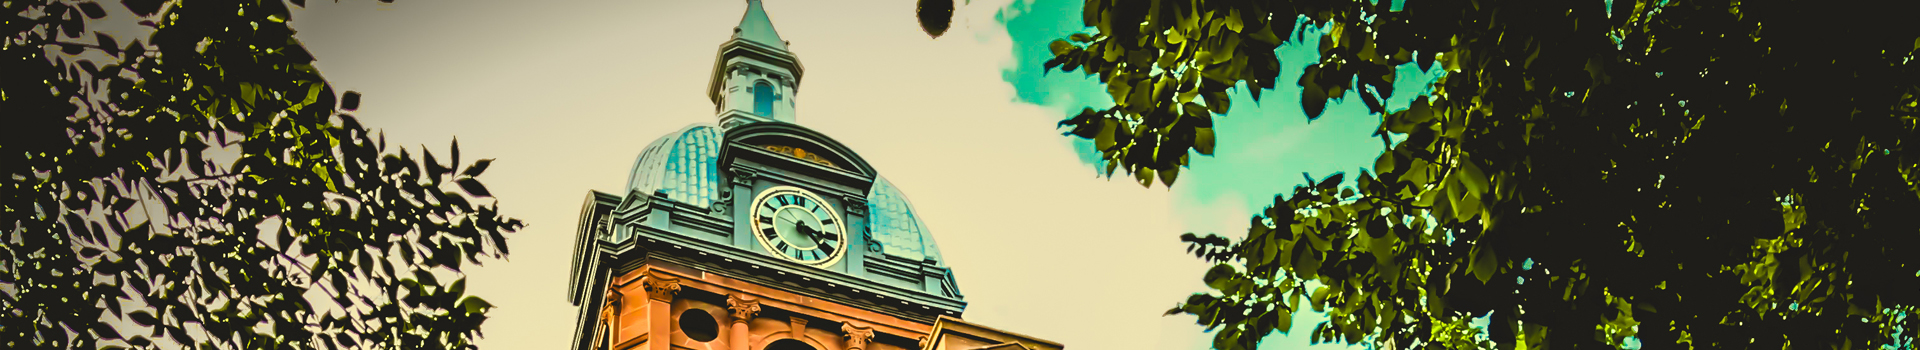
x,y
699,325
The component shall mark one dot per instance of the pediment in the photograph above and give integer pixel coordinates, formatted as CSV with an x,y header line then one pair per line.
x,y
796,142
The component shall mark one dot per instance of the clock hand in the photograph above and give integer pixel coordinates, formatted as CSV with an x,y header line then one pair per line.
x,y
809,231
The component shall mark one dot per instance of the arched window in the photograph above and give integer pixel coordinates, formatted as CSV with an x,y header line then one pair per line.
x,y
763,99
789,344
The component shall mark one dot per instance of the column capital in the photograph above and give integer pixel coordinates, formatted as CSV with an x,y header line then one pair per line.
x,y
660,287
743,175
856,205
857,336
742,309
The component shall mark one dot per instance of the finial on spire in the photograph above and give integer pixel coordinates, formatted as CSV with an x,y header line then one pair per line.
x,y
756,27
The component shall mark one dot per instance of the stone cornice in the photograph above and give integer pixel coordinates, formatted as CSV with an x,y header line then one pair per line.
x,y
778,302
919,305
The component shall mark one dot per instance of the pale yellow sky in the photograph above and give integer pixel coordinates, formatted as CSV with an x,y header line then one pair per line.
x,y
566,93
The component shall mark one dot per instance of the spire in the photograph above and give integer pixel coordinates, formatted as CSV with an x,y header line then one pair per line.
x,y
755,27
755,79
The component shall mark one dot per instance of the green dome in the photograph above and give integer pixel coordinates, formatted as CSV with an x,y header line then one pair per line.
x,y
683,166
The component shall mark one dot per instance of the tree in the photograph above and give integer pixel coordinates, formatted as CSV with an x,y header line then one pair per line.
x,y
201,185
1718,174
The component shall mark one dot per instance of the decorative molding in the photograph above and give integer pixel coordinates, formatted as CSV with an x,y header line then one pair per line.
x,y
743,176
724,203
857,336
604,228
797,326
856,205
801,154
742,309
720,208
872,245
922,342
660,287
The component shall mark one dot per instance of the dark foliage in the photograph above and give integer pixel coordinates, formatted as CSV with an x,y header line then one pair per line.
x,y
196,185
935,16
1711,174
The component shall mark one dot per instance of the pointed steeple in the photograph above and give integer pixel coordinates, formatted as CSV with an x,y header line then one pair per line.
x,y
755,26
755,79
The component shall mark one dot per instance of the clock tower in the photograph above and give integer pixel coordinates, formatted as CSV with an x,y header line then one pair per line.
x,y
757,233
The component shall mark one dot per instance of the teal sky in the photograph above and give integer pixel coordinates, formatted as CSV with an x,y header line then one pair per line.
x,y
1263,147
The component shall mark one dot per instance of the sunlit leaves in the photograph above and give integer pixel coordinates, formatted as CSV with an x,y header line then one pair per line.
x,y
1671,171
1156,61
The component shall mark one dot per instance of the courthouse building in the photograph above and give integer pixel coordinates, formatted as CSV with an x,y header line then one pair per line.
x,y
756,233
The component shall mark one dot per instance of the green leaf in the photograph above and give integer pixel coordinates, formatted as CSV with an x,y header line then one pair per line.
x,y
1319,298
459,287
107,44
143,8
1221,276
1471,176
473,187
350,101
1484,263
143,317
1332,181
1384,164
92,10
104,330
475,305
1060,47
425,277
479,166
1203,140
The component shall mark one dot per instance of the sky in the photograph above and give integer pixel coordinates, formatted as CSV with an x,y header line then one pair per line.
x,y
565,94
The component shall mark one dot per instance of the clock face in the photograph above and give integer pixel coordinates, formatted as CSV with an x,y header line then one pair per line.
x,y
795,224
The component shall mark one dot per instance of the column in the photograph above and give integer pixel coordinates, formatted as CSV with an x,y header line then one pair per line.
x,y
857,234
743,311
740,179
609,320
660,290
